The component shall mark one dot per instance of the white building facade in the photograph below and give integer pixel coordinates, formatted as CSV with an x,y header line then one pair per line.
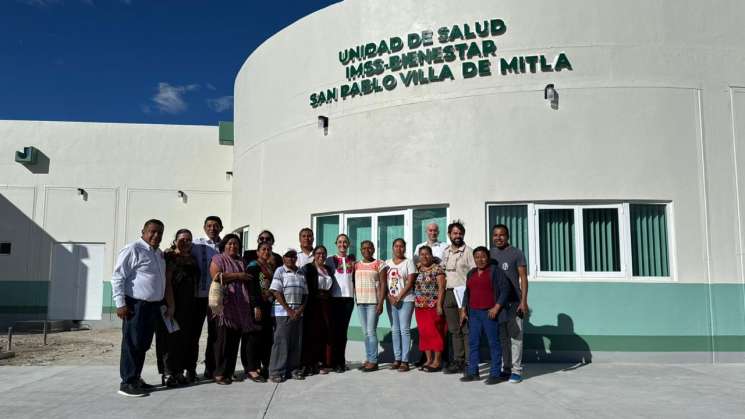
x,y
623,186
90,189
607,135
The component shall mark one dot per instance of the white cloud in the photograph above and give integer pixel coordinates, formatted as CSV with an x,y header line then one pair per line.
x,y
220,104
170,99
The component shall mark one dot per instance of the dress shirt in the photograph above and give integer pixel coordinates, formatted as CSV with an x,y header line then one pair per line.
x,y
456,262
203,249
303,259
438,249
140,273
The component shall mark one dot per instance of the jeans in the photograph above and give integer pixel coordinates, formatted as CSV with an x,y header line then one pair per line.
x,y
137,336
369,323
401,329
479,320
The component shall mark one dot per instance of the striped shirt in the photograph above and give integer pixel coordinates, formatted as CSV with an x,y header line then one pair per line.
x,y
292,285
366,277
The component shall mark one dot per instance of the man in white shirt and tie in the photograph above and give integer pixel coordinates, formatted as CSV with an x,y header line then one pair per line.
x,y
138,287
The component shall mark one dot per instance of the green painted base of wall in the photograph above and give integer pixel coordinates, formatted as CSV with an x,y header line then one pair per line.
x,y
565,316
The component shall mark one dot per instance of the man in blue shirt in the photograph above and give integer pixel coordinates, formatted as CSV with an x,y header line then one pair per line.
x,y
203,249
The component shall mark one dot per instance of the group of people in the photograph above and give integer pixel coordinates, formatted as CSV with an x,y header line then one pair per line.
x,y
286,316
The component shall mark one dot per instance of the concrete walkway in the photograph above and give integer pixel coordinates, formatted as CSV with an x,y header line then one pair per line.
x,y
591,391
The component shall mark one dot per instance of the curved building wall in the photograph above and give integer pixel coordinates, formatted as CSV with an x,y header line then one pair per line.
x,y
652,111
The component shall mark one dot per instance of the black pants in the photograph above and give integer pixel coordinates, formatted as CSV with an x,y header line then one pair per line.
x,y
176,350
251,351
197,323
341,311
137,336
317,342
226,351
209,350
265,337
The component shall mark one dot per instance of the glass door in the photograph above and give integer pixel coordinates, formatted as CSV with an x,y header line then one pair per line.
x,y
359,229
390,228
381,228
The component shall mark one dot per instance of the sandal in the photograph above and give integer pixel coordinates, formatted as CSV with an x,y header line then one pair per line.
x,y
223,381
430,368
258,378
404,367
396,365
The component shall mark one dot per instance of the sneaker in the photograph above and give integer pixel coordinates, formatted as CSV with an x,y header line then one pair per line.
x,y
505,374
277,379
131,390
515,378
298,375
494,379
454,368
145,386
191,377
467,378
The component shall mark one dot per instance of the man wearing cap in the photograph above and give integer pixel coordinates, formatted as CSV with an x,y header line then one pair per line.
x,y
290,293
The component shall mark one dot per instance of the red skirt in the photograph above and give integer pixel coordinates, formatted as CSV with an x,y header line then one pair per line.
x,y
431,329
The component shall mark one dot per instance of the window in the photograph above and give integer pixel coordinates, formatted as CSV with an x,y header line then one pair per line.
x,y
649,246
426,216
4,248
327,228
382,228
588,240
556,239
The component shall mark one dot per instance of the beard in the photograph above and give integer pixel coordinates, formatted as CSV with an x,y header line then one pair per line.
x,y
457,242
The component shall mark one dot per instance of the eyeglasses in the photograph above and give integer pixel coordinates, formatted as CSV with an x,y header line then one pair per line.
x,y
265,239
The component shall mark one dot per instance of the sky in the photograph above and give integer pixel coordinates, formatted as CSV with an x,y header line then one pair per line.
x,y
137,61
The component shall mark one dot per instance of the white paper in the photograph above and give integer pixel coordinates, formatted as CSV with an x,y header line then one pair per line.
x,y
459,292
171,324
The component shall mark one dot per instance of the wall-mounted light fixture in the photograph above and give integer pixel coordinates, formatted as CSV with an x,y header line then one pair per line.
x,y
323,122
228,175
28,156
182,195
551,95
83,194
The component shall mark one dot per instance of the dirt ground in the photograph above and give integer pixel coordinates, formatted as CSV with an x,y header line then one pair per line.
x,y
84,347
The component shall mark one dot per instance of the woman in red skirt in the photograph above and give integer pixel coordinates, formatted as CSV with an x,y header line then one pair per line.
x,y
429,290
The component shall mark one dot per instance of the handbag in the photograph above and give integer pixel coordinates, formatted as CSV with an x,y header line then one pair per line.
x,y
215,296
